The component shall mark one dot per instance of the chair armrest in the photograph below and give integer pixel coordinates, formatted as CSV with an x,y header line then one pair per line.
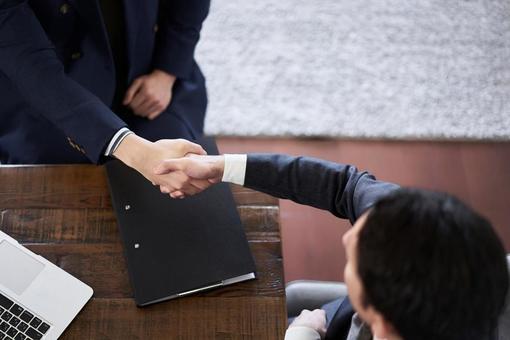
x,y
310,294
504,320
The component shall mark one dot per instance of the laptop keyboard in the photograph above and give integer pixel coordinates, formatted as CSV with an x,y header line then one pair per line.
x,y
17,323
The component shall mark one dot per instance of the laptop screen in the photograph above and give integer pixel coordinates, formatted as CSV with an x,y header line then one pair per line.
x,y
17,269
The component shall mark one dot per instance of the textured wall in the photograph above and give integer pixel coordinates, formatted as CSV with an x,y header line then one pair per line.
x,y
358,68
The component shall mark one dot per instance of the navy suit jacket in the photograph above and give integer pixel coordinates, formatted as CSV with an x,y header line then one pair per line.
x,y
341,189
57,75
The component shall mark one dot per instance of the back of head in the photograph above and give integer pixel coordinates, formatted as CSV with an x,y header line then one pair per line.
x,y
432,267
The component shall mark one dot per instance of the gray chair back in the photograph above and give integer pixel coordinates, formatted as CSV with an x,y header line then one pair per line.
x,y
504,321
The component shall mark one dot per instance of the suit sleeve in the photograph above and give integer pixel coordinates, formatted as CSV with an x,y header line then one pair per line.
x,y
338,188
180,22
29,61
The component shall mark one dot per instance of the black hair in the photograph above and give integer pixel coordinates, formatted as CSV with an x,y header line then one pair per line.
x,y
433,267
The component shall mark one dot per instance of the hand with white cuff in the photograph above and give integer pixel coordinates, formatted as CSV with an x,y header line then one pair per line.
x,y
145,156
207,170
314,320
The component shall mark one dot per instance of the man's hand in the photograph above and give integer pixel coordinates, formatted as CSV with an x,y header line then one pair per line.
x,y
206,169
145,156
149,95
315,320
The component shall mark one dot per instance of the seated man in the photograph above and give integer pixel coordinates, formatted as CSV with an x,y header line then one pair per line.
x,y
420,264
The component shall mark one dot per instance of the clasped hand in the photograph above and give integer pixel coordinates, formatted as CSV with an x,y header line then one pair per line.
x,y
197,171
164,163
149,95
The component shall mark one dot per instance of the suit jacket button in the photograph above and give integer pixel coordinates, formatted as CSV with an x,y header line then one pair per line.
x,y
156,28
76,56
64,9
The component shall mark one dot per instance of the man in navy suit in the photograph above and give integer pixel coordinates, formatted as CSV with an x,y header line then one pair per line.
x,y
80,80
420,264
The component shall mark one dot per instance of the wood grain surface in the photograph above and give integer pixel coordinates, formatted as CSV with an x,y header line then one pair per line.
x,y
64,213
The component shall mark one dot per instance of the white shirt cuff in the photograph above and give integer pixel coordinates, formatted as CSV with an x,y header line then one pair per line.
x,y
116,139
302,333
235,169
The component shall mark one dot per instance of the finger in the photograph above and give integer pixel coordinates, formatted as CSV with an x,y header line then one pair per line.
x,y
147,106
304,312
154,107
170,165
194,148
179,181
177,194
188,186
137,104
130,93
201,184
164,189
189,189
175,181
322,331
154,114
320,311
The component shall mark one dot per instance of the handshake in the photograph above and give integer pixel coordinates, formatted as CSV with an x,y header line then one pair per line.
x,y
179,167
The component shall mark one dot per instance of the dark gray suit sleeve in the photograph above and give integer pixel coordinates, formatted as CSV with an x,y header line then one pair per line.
x,y
338,188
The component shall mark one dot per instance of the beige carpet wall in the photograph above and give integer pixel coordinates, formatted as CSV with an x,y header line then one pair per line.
x,y
398,69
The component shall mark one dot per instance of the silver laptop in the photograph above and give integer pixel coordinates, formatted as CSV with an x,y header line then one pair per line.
x,y
38,300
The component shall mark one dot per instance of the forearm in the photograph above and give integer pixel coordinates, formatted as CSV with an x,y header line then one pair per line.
x,y
338,188
132,150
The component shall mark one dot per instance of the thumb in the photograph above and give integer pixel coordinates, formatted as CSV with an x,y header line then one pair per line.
x,y
168,166
194,148
130,93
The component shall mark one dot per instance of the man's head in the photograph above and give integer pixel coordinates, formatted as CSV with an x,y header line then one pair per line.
x,y
422,265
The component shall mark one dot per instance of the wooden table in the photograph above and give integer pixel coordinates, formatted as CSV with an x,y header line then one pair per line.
x,y
64,213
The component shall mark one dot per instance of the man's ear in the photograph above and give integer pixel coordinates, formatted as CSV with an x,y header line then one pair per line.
x,y
381,328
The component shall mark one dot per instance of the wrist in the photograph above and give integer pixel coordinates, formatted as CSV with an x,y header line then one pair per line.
x,y
132,150
164,75
218,165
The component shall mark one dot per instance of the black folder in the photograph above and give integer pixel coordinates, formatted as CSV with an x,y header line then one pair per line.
x,y
178,247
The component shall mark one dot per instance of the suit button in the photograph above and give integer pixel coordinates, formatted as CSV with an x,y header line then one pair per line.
x,y
156,28
76,56
64,9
